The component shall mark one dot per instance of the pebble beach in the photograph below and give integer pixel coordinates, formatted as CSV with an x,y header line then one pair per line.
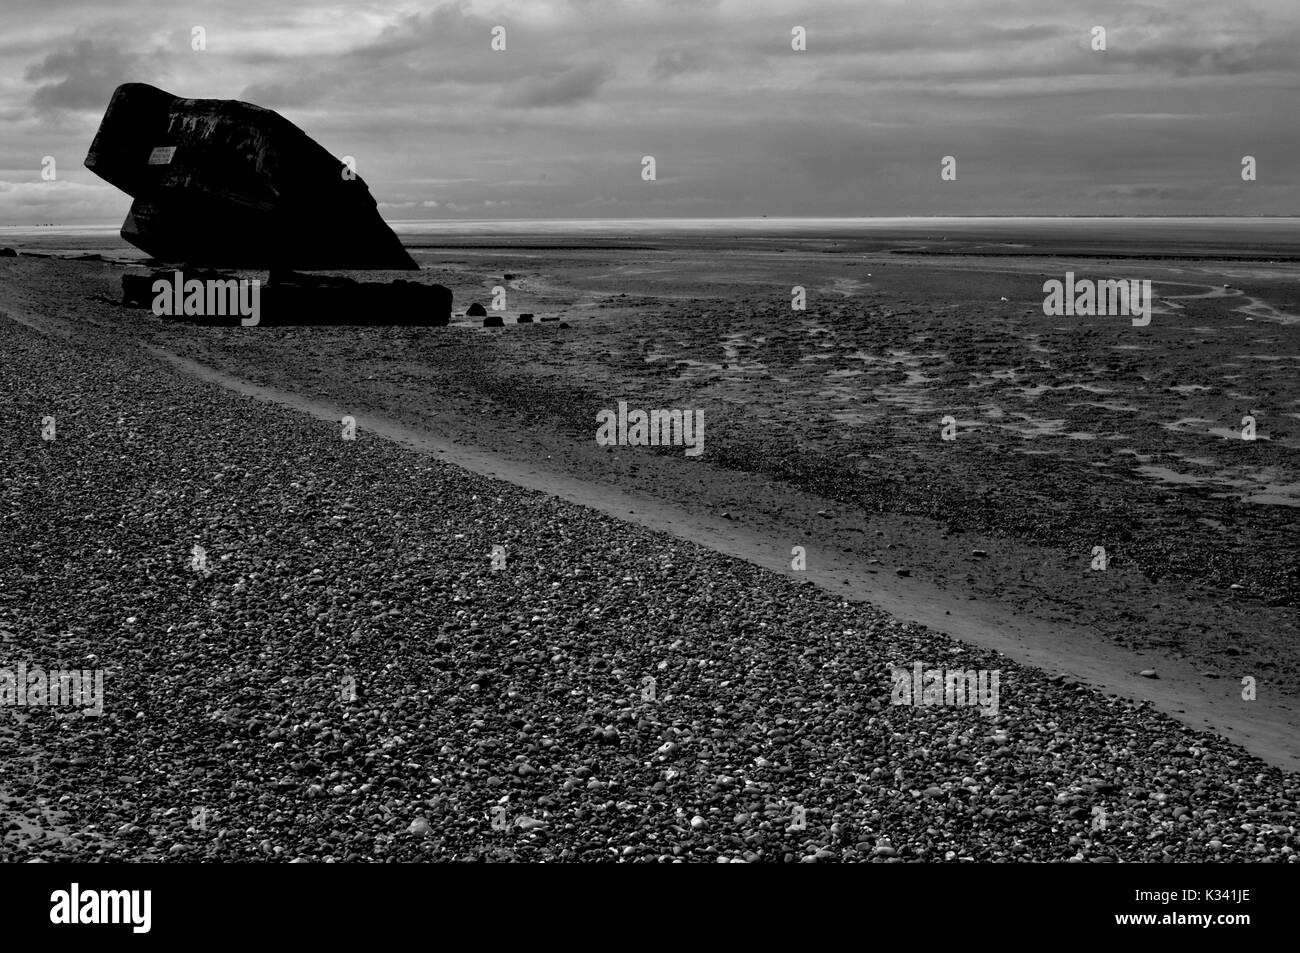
x,y
384,657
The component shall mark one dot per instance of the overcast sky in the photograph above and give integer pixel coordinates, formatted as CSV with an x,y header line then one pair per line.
x,y
738,122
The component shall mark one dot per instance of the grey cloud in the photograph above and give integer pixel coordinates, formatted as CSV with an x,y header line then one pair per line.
x,y
668,65
1162,193
296,92
924,37
447,29
449,24
82,75
1262,55
739,122
571,86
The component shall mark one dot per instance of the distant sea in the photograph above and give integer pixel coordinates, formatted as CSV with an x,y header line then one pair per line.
x,y
1195,237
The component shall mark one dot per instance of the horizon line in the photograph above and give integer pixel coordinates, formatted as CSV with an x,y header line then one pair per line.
x,y
748,218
